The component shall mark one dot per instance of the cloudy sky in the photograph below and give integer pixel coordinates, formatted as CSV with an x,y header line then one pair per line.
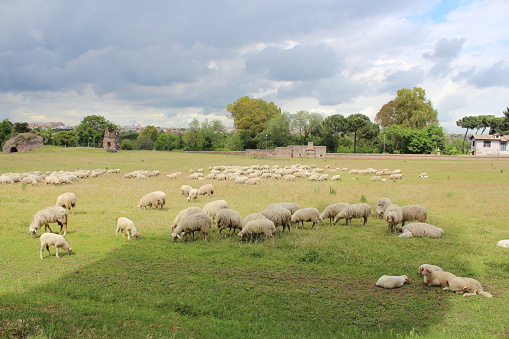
x,y
164,63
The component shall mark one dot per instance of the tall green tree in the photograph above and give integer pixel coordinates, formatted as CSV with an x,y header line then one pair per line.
x,y
149,132
66,138
6,130
165,142
193,138
306,124
503,124
468,122
331,130
355,122
21,127
91,129
276,133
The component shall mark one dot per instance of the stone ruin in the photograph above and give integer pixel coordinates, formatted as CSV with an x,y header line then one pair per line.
x,y
111,141
23,142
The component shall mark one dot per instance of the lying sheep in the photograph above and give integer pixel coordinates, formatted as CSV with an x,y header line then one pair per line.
x,y
212,207
393,215
155,199
66,200
381,205
192,223
503,243
421,230
414,212
125,225
184,213
467,287
307,214
392,281
193,195
227,218
48,215
332,210
57,240
291,206
429,267
279,216
184,189
255,228
358,210
437,278
207,189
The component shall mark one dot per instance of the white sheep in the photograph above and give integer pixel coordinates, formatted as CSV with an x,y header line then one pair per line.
x,y
307,214
392,281
212,207
291,206
430,268
192,223
227,218
193,195
252,216
414,212
184,189
279,216
437,278
421,230
323,177
155,199
252,181
49,215
126,226
393,215
57,240
255,228
358,210
381,206
503,243
332,210
467,286
183,213
207,189
66,200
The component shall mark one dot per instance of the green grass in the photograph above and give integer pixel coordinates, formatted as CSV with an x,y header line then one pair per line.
x,y
306,284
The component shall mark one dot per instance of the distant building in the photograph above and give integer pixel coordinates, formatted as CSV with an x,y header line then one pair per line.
x,y
495,144
111,141
292,151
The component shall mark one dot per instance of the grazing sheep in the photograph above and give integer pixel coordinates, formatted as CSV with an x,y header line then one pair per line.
x,y
125,225
336,177
358,210
392,281
423,175
467,286
252,181
227,218
375,178
48,215
57,240
323,177
192,223
207,189
155,199
393,215
184,189
421,230
395,176
291,206
429,267
279,216
289,177
193,195
503,243
307,214
437,278
255,228
332,210
414,212
212,207
184,213
381,206
252,216
66,200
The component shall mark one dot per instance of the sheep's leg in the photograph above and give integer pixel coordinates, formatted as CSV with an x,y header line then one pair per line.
x,y
128,234
365,220
46,226
47,247
56,251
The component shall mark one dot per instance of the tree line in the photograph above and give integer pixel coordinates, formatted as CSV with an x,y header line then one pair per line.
x,y
407,124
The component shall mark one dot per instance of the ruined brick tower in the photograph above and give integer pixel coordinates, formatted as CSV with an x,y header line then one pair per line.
x,y
111,141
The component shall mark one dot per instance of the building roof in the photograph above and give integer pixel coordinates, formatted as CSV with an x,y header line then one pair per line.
x,y
490,137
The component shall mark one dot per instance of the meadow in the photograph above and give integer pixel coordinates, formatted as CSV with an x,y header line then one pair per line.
x,y
305,284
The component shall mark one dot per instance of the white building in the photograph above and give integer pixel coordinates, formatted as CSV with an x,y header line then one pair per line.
x,y
495,144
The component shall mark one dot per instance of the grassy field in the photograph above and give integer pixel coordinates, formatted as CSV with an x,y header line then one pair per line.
x,y
306,284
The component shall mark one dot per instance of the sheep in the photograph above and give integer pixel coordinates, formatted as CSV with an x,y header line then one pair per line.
x,y
392,281
155,199
252,216
193,195
57,240
255,228
48,215
307,214
212,207
423,175
323,177
467,286
503,243
381,206
332,210
336,177
252,181
358,210
125,225
227,218
192,223
291,206
393,215
289,177
183,213
414,212
429,267
184,189
279,216
395,176
66,200
437,278
421,230
207,189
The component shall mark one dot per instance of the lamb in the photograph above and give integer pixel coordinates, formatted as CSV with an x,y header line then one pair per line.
x,y
332,210
57,240
192,223
393,214
227,218
358,210
193,195
381,206
255,228
467,286
48,215
125,225
437,278
155,199
66,200
252,181
392,281
184,189
212,207
184,213
291,206
279,216
414,212
421,230
429,267
307,214
252,216
207,189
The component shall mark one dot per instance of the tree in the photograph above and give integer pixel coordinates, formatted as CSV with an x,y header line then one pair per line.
x,y
331,129
91,129
6,129
149,132
468,122
306,124
21,127
410,109
355,122
503,124
252,114
192,138
66,138
165,142
276,133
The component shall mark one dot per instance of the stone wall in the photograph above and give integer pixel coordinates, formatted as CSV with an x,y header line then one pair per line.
x,y
23,142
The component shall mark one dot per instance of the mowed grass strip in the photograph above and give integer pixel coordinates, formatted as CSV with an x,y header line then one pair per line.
x,y
309,283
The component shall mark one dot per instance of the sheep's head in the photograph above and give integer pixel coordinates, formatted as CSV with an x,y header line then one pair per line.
x,y
407,280
69,250
135,235
175,236
32,232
